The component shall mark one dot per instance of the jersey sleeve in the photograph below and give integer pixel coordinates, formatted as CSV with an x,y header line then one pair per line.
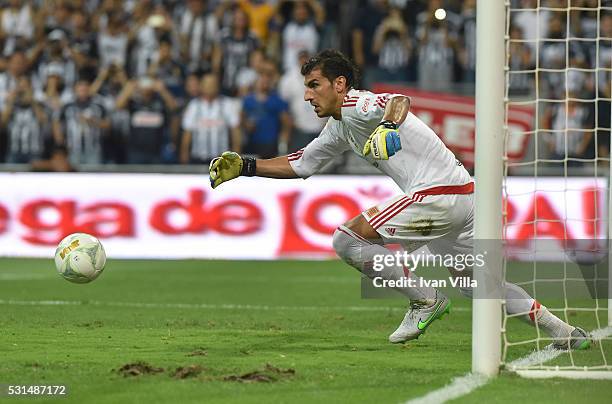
x,y
366,106
328,145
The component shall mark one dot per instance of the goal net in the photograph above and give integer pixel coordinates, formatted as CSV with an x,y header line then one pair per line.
x,y
556,223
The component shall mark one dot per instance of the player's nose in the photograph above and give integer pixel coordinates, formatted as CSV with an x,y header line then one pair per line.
x,y
307,96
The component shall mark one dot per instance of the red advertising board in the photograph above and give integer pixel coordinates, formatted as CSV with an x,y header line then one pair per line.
x,y
179,216
452,117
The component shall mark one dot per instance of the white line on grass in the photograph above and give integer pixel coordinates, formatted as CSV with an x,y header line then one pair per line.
x,y
458,387
535,358
25,277
464,385
198,305
601,333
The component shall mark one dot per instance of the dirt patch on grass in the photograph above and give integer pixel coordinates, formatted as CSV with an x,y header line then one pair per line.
x,y
33,365
198,352
93,324
268,374
138,369
185,372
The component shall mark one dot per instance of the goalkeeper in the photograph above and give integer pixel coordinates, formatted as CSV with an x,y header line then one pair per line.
x,y
436,208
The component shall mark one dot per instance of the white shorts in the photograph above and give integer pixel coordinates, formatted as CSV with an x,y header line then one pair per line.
x,y
439,217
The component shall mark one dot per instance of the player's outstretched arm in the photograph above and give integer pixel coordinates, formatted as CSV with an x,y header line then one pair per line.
x,y
231,165
384,142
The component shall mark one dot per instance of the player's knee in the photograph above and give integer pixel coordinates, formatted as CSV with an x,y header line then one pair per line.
x,y
341,242
360,226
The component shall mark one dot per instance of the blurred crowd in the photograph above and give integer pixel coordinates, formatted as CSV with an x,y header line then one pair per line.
x,y
180,81
573,59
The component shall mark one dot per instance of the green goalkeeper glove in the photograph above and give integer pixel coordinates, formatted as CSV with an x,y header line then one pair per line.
x,y
229,166
384,142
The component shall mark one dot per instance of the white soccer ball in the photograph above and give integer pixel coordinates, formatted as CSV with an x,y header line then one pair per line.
x,y
80,258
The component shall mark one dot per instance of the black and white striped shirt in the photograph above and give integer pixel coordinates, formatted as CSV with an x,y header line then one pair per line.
x,y
82,139
209,123
394,54
236,53
26,134
201,33
112,49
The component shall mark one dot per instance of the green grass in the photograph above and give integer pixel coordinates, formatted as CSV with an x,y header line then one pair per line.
x,y
307,316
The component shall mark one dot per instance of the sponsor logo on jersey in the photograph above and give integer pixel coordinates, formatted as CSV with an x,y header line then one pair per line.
x,y
423,226
366,104
372,212
363,105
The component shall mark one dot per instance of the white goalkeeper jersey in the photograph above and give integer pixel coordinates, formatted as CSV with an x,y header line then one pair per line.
x,y
423,162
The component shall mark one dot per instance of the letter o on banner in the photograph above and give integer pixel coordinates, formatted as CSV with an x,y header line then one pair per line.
x,y
315,207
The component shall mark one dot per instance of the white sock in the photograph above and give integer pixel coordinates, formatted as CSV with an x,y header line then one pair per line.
x,y
359,253
519,302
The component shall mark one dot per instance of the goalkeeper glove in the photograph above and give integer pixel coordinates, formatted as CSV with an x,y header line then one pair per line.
x,y
229,166
384,142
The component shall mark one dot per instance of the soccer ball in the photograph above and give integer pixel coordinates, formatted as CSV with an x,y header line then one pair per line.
x,y
80,258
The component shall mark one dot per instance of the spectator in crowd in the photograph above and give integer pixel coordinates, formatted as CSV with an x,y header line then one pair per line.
x,y
108,84
191,88
81,125
367,19
150,105
553,55
436,50
604,90
113,41
105,11
16,21
54,56
106,88
583,22
260,14
166,68
197,30
302,31
147,38
26,124
526,18
604,48
467,52
265,116
210,125
16,67
55,15
247,76
520,60
232,51
83,43
54,93
571,130
393,47
306,124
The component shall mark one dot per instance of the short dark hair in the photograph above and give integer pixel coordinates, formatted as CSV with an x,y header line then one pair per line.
x,y
333,64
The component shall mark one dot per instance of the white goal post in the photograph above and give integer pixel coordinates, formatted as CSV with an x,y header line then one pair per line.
x,y
486,320
490,326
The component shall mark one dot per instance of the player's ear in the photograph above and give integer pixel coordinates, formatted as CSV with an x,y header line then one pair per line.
x,y
340,84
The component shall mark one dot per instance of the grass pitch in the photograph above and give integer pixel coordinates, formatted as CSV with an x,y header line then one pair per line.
x,y
239,332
